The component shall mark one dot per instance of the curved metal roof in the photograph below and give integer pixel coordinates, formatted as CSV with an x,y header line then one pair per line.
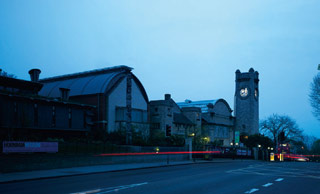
x,y
85,83
203,104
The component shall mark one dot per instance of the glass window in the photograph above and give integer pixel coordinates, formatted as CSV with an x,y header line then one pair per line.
x,y
137,116
120,114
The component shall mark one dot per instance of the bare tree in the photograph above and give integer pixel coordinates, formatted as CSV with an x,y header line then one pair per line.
x,y
5,74
276,124
314,96
309,141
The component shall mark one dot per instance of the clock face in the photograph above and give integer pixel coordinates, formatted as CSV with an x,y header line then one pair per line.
x,y
244,92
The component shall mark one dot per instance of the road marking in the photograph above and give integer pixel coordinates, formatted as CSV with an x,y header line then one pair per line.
x,y
110,189
267,185
279,179
252,190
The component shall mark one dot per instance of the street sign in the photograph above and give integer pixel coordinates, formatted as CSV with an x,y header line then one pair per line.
x,y
237,136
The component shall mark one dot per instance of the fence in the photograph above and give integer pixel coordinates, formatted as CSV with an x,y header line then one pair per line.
x,y
95,148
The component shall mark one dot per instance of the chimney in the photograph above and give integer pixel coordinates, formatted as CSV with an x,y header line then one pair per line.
x,y
34,74
64,93
167,96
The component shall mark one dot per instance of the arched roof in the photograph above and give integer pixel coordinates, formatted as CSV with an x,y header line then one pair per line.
x,y
225,102
87,83
203,104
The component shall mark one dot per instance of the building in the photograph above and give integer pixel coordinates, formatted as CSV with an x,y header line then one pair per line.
x,y
246,98
25,115
119,96
167,116
213,118
217,121
113,99
209,118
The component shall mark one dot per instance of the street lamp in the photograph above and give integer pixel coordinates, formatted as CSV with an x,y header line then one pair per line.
x,y
206,139
259,146
190,136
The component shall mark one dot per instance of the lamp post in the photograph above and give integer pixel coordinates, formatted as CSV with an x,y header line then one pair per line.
x,y
232,152
259,151
190,136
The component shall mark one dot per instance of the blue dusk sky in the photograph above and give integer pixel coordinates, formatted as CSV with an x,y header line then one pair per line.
x,y
190,49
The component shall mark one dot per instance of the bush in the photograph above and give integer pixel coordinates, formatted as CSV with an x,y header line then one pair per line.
x,y
158,138
254,140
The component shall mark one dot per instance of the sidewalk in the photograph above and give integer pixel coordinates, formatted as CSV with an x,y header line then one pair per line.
x,y
42,174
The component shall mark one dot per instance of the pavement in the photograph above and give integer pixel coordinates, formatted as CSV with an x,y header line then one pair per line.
x,y
55,173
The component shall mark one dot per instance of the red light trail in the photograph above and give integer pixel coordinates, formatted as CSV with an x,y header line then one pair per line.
x,y
159,153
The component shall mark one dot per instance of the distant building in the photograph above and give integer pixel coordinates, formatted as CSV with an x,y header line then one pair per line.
x,y
119,96
216,119
212,118
112,99
166,115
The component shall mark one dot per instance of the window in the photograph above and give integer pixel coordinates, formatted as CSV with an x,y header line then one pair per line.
x,y
35,115
137,115
120,114
155,125
53,116
70,118
84,119
169,112
221,132
221,142
155,109
15,112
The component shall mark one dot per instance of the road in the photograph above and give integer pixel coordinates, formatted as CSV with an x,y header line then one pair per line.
x,y
227,177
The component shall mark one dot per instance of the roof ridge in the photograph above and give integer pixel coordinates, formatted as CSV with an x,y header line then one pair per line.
x,y
197,101
86,73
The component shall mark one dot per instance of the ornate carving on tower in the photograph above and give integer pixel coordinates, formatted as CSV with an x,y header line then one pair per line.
x,y
246,105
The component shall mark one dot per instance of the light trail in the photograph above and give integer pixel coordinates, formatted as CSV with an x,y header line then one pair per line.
x,y
159,153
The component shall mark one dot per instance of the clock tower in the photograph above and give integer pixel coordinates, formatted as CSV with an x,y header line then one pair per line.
x,y
246,102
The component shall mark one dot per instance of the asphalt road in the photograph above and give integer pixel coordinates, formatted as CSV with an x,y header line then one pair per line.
x,y
227,177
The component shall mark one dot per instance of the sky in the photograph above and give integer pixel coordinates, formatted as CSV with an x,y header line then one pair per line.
x,y
190,49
